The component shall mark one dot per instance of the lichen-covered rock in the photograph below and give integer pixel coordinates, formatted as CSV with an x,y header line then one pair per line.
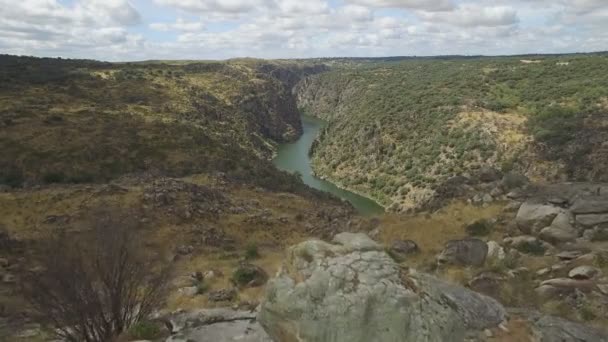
x,y
352,291
465,252
217,325
552,329
532,217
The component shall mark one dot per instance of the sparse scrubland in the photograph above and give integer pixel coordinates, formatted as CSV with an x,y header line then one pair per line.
x,y
398,130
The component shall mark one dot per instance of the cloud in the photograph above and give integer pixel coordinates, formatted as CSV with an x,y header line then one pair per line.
x,y
471,15
118,30
426,5
179,25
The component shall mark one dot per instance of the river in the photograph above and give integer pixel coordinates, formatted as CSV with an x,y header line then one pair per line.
x,y
294,157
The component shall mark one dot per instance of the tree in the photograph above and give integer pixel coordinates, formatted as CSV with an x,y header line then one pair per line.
x,y
94,287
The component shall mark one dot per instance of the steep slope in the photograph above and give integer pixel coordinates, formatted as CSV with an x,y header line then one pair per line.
x,y
397,131
66,121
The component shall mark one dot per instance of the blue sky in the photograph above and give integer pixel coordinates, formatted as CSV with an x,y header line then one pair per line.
x,y
217,29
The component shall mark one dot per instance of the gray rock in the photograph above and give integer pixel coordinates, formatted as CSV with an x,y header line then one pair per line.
x,y
468,251
217,325
495,251
569,255
563,221
558,235
487,198
512,207
591,220
189,291
590,205
584,272
554,329
532,217
559,286
402,248
354,292
526,244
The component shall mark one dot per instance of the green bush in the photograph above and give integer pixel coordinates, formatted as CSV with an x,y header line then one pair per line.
x,y
145,330
251,252
479,228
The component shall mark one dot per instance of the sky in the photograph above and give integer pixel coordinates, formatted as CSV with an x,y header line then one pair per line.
x,y
128,30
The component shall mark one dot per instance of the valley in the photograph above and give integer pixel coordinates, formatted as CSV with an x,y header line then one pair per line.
x,y
244,177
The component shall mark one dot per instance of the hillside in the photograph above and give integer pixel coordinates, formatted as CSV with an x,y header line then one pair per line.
x,y
399,130
70,121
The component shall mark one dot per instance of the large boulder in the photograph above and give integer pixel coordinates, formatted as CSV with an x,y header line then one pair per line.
x,y
590,205
592,220
532,217
467,252
217,325
352,291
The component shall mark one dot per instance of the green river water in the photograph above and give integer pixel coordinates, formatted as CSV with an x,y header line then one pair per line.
x,y
294,157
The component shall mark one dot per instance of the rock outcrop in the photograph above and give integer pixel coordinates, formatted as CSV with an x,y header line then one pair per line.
x,y
217,325
353,291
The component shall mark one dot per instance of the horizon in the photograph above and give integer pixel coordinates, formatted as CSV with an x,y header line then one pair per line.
x,y
396,57
139,30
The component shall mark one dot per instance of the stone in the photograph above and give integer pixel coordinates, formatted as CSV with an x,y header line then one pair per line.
x,y
188,291
487,198
532,217
495,251
563,221
559,201
351,291
223,295
4,262
557,235
591,220
559,286
488,283
466,252
553,329
526,244
402,248
8,278
543,272
217,325
512,207
584,272
569,255
590,205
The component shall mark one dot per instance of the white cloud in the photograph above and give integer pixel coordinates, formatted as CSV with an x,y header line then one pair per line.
x,y
427,5
470,15
179,25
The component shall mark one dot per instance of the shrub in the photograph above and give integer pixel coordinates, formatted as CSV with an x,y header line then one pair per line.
x,y
479,228
251,252
145,330
53,177
95,287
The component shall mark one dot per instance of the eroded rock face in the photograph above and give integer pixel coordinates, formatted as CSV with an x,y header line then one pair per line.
x,y
352,291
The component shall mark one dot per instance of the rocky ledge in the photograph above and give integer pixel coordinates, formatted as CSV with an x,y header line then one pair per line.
x,y
352,290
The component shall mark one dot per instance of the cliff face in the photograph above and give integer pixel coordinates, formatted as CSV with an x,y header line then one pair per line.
x,y
399,131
